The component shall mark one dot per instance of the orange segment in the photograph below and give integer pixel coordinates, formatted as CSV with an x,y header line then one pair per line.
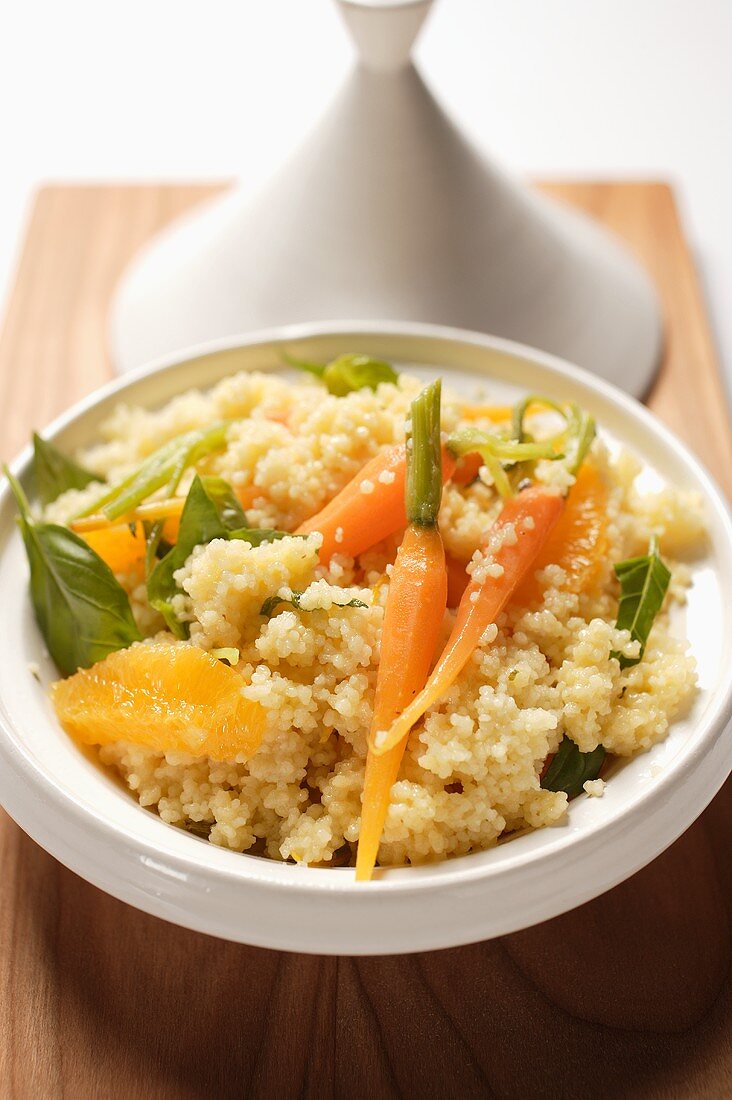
x,y
171,698
122,547
579,541
171,527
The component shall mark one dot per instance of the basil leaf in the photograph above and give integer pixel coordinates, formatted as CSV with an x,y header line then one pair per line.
x,y
228,507
644,582
258,535
54,473
211,511
200,522
273,602
570,769
82,610
155,546
163,467
355,372
348,373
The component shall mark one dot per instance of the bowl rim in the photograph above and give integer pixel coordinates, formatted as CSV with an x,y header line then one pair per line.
x,y
464,869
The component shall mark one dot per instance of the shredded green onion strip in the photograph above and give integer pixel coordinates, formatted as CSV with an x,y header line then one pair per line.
x,y
570,445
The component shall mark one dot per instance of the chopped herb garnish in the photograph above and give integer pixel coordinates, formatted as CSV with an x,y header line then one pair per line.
x,y
82,610
273,602
571,769
347,373
644,582
228,654
54,473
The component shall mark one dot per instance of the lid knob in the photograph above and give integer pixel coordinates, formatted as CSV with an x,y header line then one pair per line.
x,y
383,31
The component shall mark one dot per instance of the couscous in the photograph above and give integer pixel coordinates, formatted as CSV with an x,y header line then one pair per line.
x,y
224,582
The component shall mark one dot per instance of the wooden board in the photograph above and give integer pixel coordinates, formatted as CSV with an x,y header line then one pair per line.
x,y
630,995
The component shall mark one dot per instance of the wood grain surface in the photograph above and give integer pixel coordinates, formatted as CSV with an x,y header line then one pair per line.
x,y
628,996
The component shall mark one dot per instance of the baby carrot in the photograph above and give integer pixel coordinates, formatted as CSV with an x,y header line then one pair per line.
x,y
414,612
518,535
370,507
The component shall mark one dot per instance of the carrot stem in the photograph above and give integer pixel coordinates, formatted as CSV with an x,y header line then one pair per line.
x,y
424,461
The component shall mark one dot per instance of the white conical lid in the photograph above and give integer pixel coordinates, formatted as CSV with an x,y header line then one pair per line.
x,y
388,213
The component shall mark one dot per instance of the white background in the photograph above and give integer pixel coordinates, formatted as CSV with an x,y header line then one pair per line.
x,y
156,89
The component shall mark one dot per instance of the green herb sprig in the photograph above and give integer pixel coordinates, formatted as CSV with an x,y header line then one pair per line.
x,y
82,610
273,602
347,373
644,582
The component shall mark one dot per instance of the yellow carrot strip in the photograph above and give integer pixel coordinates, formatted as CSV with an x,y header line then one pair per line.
x,y
518,535
370,507
413,618
152,510
497,414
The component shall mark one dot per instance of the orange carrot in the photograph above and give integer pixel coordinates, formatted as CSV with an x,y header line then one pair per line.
x,y
370,507
467,469
457,580
414,612
248,494
412,623
530,517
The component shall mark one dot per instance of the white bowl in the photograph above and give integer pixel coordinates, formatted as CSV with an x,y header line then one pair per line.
x,y
85,819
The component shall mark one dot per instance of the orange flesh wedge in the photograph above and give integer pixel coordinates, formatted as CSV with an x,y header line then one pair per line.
x,y
578,543
170,698
122,546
